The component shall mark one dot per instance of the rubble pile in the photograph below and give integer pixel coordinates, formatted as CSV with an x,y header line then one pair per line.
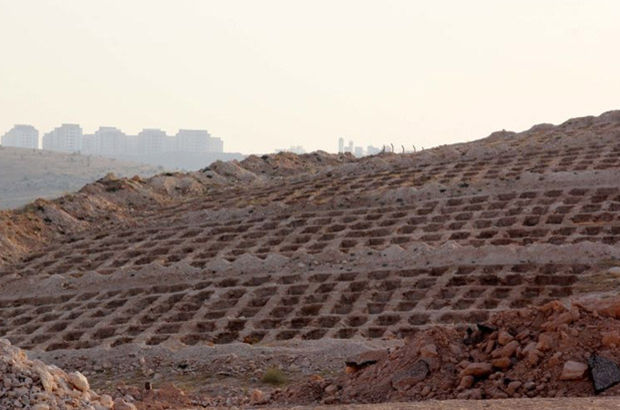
x,y
33,384
547,351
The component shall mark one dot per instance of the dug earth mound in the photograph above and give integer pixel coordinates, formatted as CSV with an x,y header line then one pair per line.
x,y
548,351
485,270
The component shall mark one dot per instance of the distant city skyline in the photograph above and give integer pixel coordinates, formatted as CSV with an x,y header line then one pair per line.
x,y
356,150
109,141
187,149
421,73
69,137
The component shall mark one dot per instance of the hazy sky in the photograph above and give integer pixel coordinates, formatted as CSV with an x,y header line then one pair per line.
x,y
270,74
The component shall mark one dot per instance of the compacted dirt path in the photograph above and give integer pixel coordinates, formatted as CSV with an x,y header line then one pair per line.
x,y
589,403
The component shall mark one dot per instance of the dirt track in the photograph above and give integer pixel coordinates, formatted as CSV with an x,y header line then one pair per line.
x,y
589,403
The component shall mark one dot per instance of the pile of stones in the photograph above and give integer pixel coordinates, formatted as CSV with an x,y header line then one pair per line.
x,y
31,384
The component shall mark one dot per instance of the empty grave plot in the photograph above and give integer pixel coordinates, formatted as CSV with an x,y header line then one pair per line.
x,y
268,307
301,253
519,218
594,156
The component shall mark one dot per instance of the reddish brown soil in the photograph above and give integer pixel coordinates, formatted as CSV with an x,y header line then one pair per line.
x,y
297,262
522,354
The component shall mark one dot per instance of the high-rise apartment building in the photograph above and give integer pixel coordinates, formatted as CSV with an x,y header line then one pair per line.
x,y
216,145
21,136
198,141
349,148
153,141
66,138
106,141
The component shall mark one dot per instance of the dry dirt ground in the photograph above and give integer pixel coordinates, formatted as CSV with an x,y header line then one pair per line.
x,y
530,404
253,282
30,174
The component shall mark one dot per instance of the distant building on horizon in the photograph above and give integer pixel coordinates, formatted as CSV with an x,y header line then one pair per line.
x,y
188,149
21,136
357,151
197,141
66,138
106,141
349,148
112,142
153,141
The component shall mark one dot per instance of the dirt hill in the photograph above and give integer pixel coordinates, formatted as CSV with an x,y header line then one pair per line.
x,y
255,281
30,174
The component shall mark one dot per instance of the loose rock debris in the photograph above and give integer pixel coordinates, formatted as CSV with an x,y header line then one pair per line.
x,y
549,351
33,384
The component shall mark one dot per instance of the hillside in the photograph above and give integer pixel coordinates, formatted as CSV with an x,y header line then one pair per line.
x,y
29,174
488,269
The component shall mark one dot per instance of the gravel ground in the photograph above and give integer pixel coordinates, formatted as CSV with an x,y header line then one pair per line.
x,y
521,404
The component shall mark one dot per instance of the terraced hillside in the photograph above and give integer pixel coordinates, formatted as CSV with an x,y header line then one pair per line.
x,y
318,248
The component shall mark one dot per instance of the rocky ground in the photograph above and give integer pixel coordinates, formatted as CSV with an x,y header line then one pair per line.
x,y
549,351
553,351
31,384
485,270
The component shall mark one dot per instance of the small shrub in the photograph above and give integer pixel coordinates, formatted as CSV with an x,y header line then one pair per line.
x,y
274,376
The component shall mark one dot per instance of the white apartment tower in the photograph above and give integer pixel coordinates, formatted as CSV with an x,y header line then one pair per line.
x,y
106,141
192,141
66,138
153,141
21,136
215,145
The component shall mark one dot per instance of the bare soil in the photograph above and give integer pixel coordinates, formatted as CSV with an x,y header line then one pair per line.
x,y
30,174
208,279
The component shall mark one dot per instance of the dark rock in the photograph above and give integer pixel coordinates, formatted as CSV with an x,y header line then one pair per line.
x,y
485,328
365,359
605,373
476,336
411,376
